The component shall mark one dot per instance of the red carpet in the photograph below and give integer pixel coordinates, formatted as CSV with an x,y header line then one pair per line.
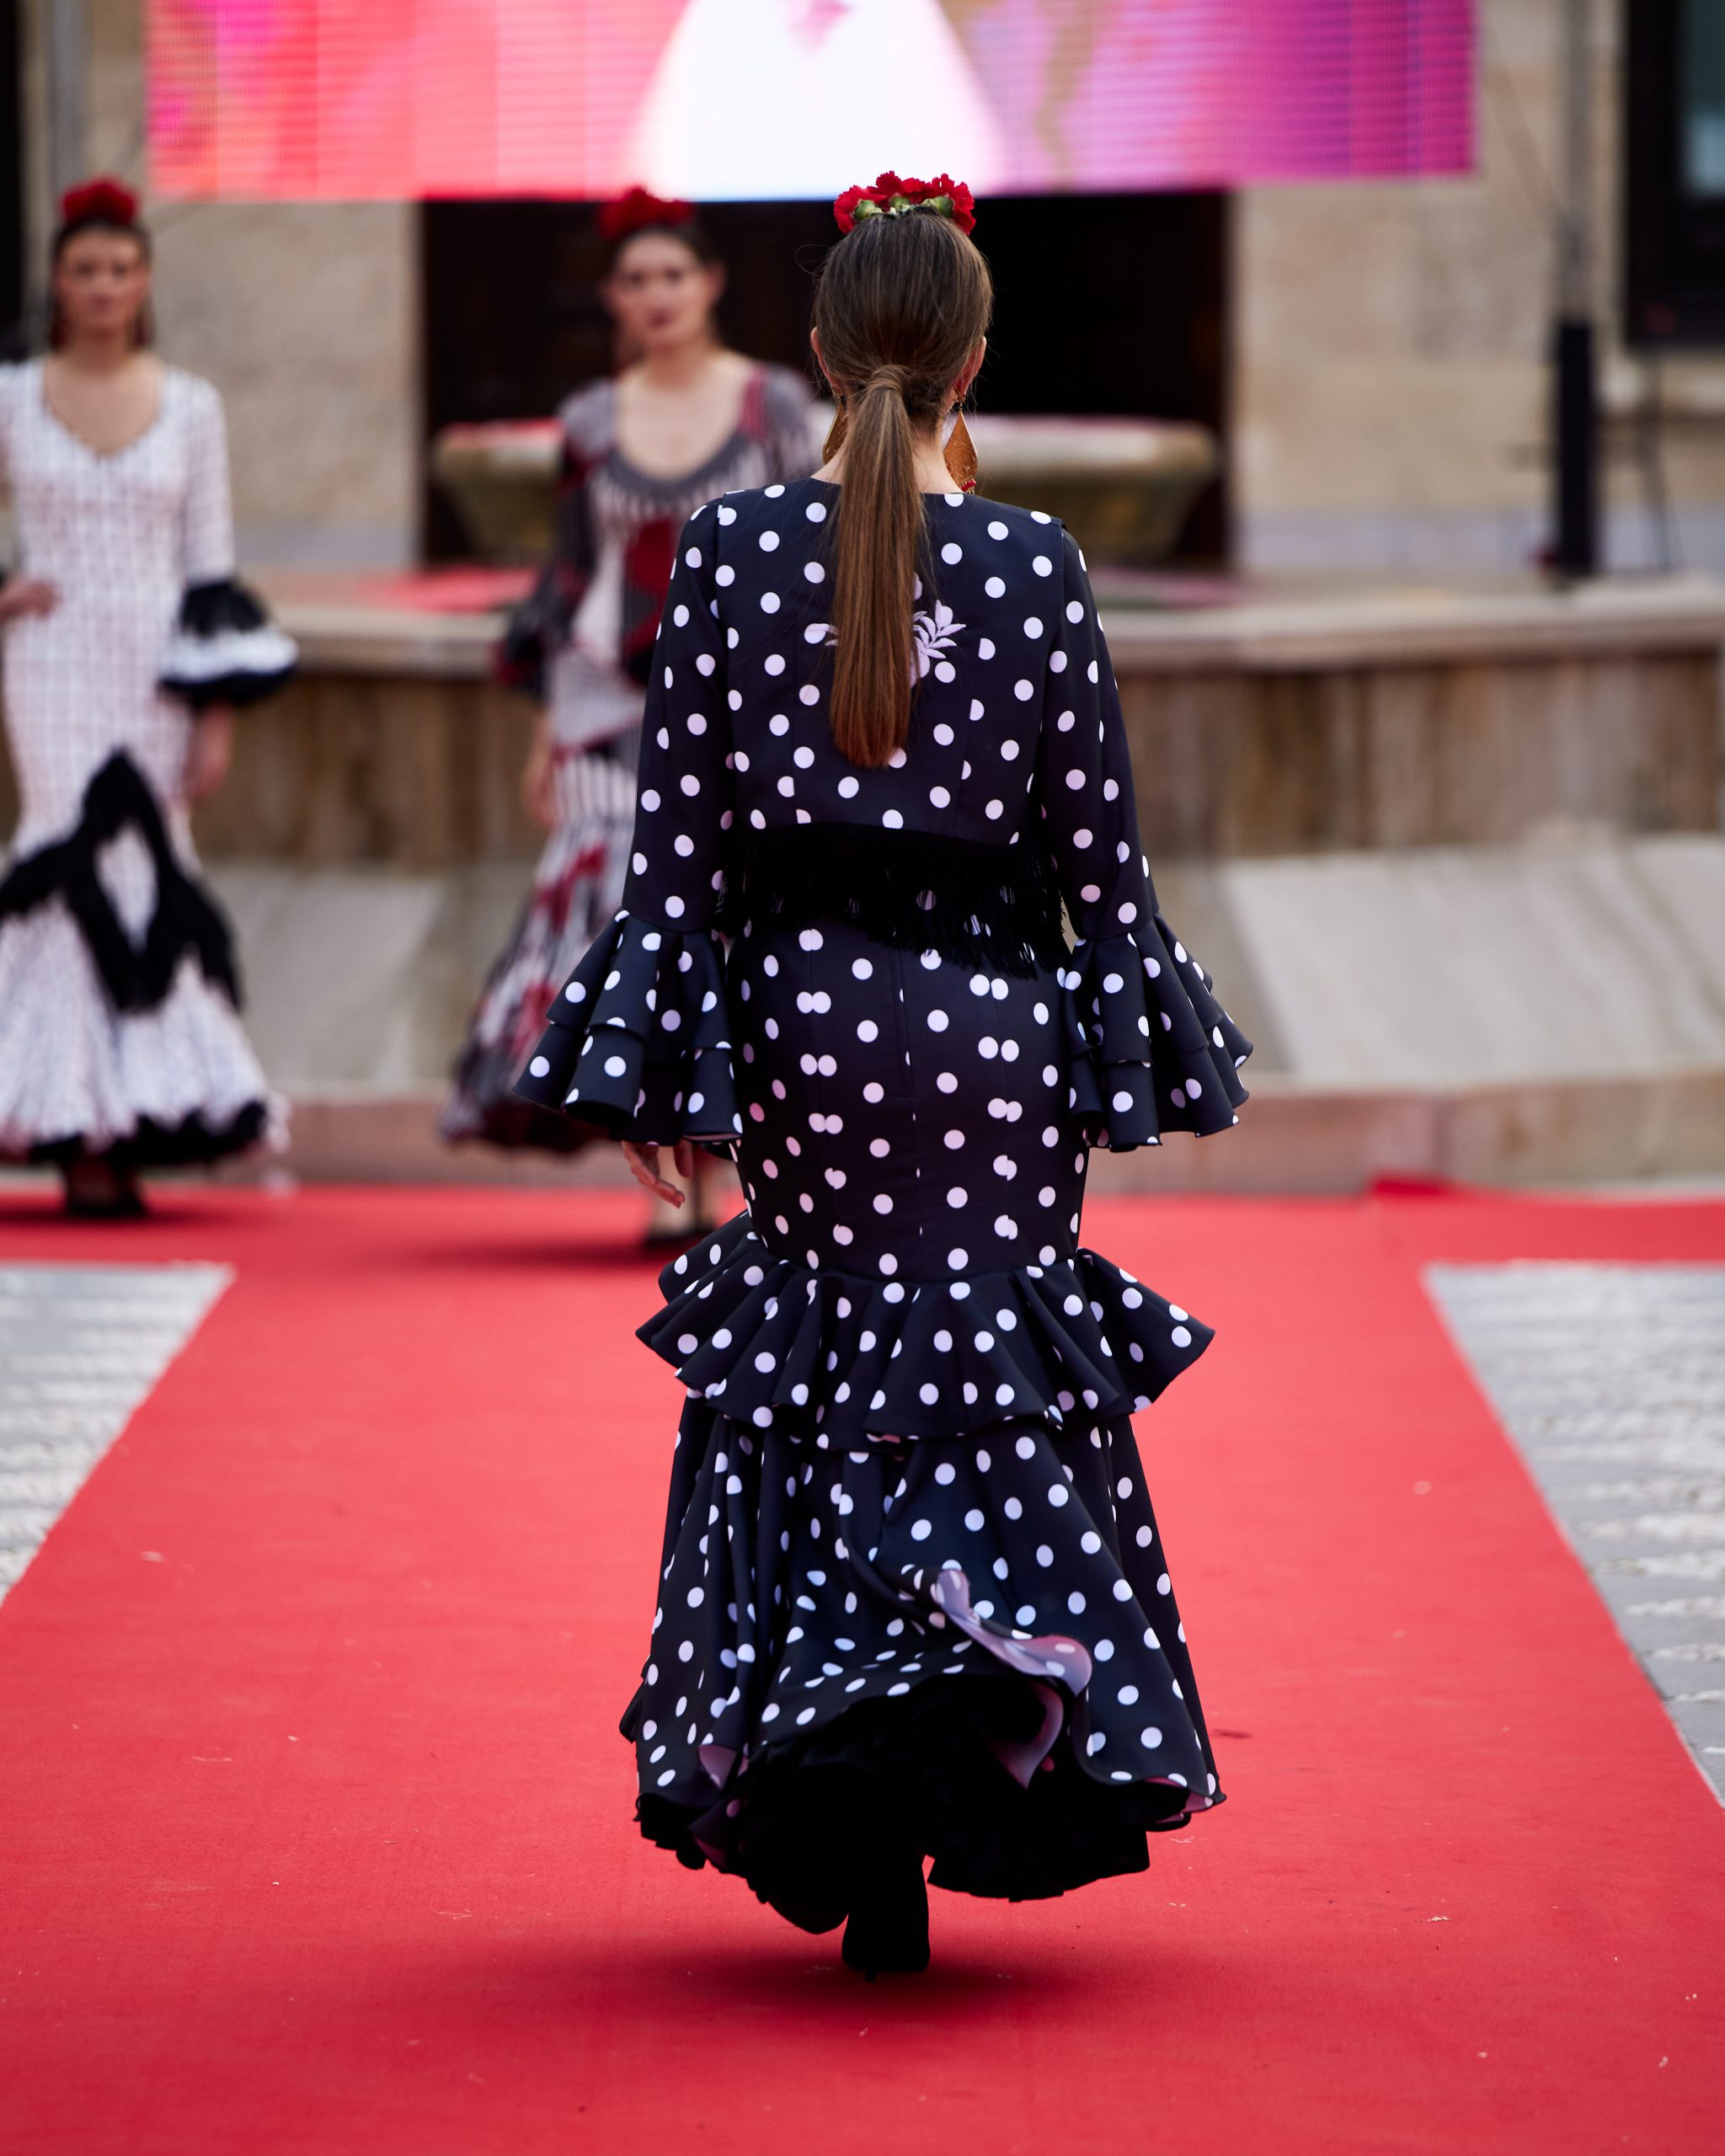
x,y
317,1833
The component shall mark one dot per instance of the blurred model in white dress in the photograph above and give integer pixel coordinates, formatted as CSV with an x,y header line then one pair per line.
x,y
127,645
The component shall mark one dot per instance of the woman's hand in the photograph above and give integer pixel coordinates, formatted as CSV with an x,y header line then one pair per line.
x,y
24,595
210,753
643,1166
538,778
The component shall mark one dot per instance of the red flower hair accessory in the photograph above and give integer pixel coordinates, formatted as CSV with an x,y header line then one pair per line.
x,y
636,211
103,201
891,197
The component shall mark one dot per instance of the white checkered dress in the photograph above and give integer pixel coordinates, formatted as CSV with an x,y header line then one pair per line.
x,y
120,536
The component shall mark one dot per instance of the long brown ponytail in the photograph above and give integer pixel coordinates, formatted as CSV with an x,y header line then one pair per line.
x,y
903,302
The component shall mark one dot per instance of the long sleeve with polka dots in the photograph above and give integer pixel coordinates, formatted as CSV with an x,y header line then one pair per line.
x,y
638,1039
1151,1048
684,805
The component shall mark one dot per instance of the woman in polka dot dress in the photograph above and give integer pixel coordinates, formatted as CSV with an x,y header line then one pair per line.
x,y
913,1600
128,645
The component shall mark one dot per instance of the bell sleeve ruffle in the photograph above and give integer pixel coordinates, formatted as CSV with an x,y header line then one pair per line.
x,y
224,648
638,1042
1151,1049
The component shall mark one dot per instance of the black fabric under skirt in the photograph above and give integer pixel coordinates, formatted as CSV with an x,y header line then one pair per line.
x,y
199,1141
971,1640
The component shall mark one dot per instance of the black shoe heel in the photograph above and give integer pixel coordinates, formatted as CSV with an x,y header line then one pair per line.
x,y
888,1931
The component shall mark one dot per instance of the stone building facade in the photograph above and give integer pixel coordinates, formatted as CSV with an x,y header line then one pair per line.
x,y
1388,380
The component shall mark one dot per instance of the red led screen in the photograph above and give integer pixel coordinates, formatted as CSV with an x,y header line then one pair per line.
x,y
306,100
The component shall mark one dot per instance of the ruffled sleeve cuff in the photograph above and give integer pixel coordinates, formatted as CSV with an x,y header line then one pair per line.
x,y
639,1041
225,649
1151,1049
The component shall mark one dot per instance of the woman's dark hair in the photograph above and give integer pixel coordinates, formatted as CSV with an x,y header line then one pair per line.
x,y
99,206
903,302
689,235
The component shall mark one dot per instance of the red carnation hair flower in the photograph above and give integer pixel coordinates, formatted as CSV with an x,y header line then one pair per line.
x,y
891,196
100,201
636,211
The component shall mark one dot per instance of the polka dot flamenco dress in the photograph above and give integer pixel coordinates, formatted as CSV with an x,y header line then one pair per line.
x,y
911,1571
120,1033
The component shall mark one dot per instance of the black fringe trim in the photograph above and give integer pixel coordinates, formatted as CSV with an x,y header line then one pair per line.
x,y
223,606
192,1144
978,905
236,690
220,604
137,976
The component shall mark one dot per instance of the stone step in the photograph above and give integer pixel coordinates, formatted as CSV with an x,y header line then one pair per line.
x,y
1292,1137
1545,1011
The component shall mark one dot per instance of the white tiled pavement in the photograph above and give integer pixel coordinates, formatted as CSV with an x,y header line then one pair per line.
x,y
81,1346
1611,1379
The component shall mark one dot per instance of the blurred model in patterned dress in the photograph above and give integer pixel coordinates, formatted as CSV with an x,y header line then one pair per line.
x,y
685,419
127,643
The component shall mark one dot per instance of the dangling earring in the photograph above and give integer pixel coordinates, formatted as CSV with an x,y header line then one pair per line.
x,y
960,454
835,437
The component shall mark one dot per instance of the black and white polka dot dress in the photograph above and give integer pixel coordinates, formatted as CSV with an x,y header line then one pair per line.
x,y
911,1567
120,1033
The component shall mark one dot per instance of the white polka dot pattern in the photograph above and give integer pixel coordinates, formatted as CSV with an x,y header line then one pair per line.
x,y
122,537
803,1581
138,528
640,1038
905,1455
645,1044
773,1341
1151,1049
735,740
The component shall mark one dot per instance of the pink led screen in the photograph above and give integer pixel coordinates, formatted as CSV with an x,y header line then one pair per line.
x,y
750,99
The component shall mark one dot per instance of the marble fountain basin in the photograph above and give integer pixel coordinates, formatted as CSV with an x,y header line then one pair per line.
x,y
1123,485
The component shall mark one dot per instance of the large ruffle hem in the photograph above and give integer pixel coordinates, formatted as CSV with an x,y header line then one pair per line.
x,y
119,1034
776,1344
973,1642
637,1041
1151,1048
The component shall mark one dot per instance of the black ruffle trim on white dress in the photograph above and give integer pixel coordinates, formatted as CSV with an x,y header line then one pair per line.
x,y
185,919
137,978
225,649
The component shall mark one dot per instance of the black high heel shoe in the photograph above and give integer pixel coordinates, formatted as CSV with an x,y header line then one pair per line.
x,y
97,1190
887,1929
